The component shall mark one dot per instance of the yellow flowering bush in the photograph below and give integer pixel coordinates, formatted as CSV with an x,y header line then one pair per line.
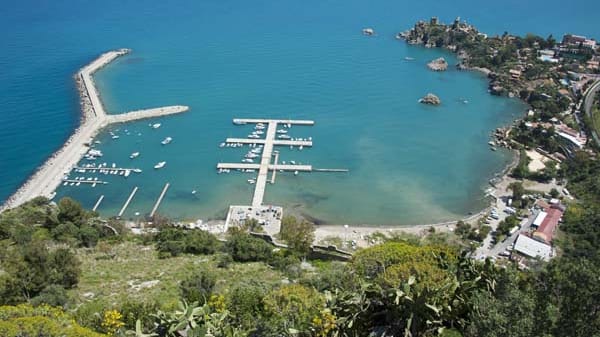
x,y
217,303
112,321
43,320
324,323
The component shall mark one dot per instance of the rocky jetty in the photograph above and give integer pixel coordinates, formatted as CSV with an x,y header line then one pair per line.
x,y
438,64
430,99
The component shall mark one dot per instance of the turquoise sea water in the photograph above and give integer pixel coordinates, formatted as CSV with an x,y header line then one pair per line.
x,y
408,163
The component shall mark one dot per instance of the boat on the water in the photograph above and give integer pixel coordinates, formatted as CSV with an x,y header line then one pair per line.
x,y
251,181
255,136
166,141
160,165
281,131
156,125
134,155
247,160
283,137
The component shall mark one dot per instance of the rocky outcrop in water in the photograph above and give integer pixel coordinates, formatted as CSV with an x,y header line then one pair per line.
x,y
430,99
438,64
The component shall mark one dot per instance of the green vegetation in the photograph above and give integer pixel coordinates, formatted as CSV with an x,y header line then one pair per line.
x,y
25,320
407,285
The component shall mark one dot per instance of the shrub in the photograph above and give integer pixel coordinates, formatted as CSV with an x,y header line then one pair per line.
x,y
198,286
245,248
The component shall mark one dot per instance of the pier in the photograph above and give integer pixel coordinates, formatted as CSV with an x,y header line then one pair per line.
x,y
241,121
104,168
91,182
98,203
49,176
282,142
127,202
159,200
275,171
269,142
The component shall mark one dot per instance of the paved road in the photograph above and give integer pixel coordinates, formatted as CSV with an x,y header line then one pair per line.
x,y
588,102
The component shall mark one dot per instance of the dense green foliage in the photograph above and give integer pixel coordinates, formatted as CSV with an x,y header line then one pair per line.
x,y
299,235
174,241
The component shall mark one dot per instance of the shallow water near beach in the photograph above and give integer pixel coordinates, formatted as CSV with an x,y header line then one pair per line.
x,y
408,163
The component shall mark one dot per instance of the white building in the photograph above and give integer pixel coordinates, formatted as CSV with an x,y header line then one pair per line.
x,y
532,248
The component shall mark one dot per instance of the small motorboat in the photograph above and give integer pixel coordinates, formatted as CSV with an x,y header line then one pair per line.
x,y
160,165
166,141
134,155
156,125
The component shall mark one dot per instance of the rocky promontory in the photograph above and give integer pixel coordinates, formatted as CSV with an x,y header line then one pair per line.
x,y
430,99
438,64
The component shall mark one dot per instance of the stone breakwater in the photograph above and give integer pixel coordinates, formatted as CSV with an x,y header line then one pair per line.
x,y
93,118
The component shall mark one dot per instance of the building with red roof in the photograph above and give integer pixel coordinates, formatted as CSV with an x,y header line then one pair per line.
x,y
547,228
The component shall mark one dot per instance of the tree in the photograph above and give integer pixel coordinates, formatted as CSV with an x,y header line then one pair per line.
x,y
245,248
508,312
70,211
570,288
517,189
299,235
30,269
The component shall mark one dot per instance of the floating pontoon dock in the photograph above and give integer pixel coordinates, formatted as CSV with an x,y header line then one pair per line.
x,y
265,162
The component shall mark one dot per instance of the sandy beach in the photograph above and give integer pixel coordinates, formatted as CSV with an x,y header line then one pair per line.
x,y
93,118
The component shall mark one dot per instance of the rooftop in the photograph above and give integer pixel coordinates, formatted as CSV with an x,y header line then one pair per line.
x,y
548,226
532,248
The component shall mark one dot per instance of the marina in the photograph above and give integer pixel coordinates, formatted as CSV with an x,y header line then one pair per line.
x,y
268,144
49,176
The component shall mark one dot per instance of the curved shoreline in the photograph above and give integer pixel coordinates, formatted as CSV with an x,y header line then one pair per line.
x,y
48,176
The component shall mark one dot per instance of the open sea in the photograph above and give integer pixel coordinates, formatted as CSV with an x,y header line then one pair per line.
x,y
409,163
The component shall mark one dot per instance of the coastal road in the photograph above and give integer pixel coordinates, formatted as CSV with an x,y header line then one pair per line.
x,y
588,102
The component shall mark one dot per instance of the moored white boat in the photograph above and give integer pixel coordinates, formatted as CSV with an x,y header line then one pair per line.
x,y
160,165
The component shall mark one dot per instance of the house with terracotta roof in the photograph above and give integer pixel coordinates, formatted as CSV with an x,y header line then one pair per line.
x,y
547,222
